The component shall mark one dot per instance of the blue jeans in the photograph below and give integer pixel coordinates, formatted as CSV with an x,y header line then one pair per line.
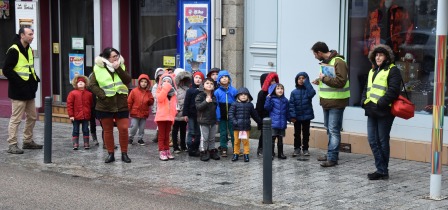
x,y
378,130
85,128
193,132
333,123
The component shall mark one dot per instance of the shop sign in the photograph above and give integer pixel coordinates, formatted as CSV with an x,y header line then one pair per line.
x,y
169,61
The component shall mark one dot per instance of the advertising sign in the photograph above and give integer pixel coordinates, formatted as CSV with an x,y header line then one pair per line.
x,y
26,16
76,65
196,39
4,9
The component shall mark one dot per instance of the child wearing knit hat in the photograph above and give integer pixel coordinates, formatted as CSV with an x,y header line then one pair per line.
x,y
79,102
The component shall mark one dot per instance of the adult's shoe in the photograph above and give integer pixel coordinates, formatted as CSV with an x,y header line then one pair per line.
x,y
14,149
32,145
322,158
110,158
125,158
329,163
377,176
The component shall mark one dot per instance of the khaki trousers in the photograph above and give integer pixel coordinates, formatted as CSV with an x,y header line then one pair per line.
x,y
18,109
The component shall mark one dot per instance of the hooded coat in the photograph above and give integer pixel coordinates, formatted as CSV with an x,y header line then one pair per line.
x,y
190,103
79,102
113,104
183,82
166,105
241,111
382,108
225,96
19,89
300,101
140,99
278,108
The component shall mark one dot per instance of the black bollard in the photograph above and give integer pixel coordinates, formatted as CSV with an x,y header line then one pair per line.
x,y
267,161
47,130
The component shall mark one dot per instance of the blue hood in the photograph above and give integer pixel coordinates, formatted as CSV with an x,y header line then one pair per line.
x,y
224,73
302,74
271,89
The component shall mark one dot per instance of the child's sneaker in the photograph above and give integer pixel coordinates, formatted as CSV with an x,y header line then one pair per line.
x,y
205,156
131,141
306,153
86,146
224,152
141,142
296,152
214,154
75,146
163,156
168,155
246,158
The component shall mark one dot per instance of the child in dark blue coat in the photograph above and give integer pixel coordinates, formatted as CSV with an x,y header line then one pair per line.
x,y
239,114
278,107
301,112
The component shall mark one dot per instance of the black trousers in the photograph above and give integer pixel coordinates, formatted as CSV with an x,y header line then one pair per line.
x,y
182,126
302,134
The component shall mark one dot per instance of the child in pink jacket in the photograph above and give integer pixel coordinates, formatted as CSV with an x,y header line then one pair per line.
x,y
166,111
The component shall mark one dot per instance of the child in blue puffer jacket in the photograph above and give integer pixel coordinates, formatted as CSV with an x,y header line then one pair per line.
x,y
301,112
278,107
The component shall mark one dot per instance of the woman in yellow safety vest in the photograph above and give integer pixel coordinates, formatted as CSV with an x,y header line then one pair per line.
x,y
383,87
108,83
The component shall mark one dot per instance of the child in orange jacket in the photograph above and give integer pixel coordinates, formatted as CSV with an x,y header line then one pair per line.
x,y
139,101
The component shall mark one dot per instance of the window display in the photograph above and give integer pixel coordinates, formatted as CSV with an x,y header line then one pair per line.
x,y
409,28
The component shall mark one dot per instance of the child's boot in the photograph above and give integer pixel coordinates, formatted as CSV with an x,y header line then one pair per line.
x,y
214,154
280,148
246,157
273,147
224,152
75,141
235,157
86,142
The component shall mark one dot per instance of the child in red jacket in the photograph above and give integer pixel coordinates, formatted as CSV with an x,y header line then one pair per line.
x,y
139,101
79,102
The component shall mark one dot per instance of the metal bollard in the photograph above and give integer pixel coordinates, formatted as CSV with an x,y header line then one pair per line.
x,y
267,161
47,130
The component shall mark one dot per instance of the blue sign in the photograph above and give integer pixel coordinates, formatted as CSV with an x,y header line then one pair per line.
x,y
76,65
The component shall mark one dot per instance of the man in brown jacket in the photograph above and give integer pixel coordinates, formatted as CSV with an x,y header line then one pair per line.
x,y
334,93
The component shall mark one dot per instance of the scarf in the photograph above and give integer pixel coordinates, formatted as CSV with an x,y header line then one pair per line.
x,y
109,64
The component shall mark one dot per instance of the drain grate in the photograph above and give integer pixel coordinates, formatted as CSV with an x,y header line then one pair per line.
x,y
224,183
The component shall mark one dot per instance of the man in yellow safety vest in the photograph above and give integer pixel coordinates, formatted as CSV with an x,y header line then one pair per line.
x,y
23,84
334,93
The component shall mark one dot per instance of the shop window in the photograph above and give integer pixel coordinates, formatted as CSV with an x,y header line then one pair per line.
x,y
156,26
409,28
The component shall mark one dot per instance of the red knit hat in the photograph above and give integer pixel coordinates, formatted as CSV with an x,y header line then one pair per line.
x,y
200,74
81,79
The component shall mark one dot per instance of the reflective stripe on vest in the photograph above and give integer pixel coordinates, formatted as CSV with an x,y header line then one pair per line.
x,y
110,87
378,87
328,92
24,65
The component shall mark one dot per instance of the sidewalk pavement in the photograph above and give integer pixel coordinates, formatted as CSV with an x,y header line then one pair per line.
x,y
296,184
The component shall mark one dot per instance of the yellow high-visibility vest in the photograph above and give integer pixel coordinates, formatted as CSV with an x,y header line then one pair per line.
x,y
24,65
109,85
378,87
328,92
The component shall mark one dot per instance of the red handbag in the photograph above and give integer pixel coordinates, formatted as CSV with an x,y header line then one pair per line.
x,y
402,107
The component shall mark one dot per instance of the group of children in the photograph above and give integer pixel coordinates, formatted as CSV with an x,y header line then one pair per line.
x,y
181,99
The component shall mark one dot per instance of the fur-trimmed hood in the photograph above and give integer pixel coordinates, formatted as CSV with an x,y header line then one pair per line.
x,y
159,71
386,50
183,75
267,81
99,61
75,81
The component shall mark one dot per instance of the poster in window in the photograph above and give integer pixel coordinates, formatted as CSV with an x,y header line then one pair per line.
x,y
26,16
196,47
76,65
4,9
